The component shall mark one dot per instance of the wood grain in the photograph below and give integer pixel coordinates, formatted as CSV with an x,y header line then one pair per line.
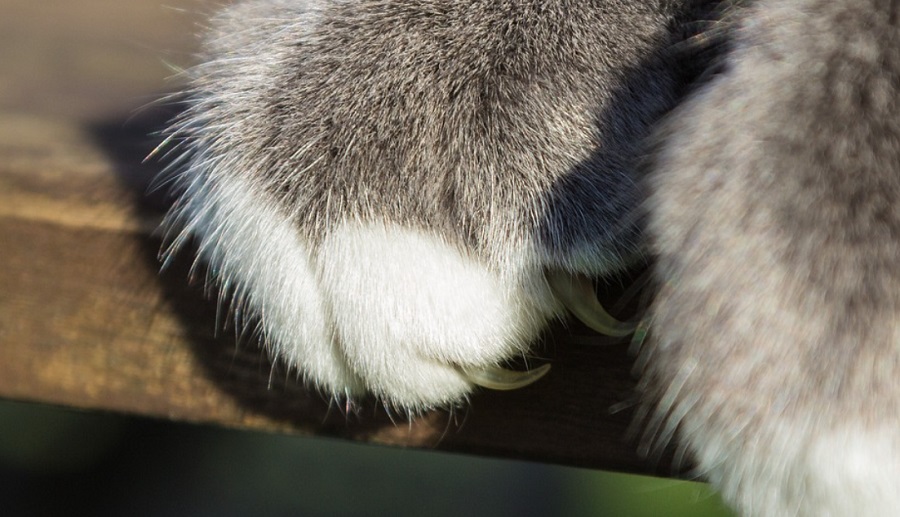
x,y
87,319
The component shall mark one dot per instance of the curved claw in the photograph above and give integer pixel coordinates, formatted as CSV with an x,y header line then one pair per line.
x,y
496,378
576,292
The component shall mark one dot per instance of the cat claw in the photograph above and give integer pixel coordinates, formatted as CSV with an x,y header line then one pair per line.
x,y
497,378
576,292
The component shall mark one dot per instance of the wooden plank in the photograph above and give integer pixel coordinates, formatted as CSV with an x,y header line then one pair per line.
x,y
88,321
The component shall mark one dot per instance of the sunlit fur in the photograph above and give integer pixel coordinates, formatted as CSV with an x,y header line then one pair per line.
x,y
775,213
384,183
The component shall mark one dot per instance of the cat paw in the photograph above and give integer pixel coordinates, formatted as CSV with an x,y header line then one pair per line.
x,y
376,307
406,216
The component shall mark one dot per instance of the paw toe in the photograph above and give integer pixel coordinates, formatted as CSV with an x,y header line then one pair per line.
x,y
411,310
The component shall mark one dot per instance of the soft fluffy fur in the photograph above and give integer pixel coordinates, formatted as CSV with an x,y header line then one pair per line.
x,y
384,183
775,213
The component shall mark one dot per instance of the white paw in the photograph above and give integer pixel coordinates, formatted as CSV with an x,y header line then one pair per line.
x,y
374,307
387,208
412,312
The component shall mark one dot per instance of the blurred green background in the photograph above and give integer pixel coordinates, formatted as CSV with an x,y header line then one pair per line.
x,y
63,462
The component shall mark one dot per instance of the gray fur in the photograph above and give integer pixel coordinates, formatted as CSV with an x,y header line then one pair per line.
x,y
775,213
490,122
484,142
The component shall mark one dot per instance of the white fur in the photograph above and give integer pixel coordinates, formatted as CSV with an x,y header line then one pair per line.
x,y
256,254
409,308
855,471
798,471
377,307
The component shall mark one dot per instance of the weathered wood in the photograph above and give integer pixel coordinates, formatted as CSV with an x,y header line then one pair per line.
x,y
88,321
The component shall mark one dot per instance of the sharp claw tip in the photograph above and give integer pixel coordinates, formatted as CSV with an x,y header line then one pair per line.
x,y
497,378
577,294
